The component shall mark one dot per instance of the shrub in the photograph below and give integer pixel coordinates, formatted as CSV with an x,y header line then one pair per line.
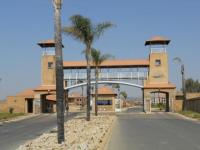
x,y
11,110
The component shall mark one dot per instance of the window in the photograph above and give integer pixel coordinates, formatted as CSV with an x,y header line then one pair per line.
x,y
50,65
157,62
104,102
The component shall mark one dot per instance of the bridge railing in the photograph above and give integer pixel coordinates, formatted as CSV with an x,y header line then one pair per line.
x,y
107,76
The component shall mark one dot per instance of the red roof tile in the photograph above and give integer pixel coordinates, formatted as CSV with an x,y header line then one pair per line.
x,y
45,88
105,90
47,43
29,93
108,64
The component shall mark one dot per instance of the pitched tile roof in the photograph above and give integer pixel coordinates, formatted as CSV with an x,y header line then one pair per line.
x,y
28,93
45,88
47,43
108,64
105,90
157,40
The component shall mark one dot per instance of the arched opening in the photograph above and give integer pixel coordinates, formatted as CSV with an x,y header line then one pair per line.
x,y
104,82
47,104
122,103
160,101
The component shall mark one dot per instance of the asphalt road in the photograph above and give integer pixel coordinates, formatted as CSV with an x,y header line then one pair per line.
x,y
13,134
158,131
136,109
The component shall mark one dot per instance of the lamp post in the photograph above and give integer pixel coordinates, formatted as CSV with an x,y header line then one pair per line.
x,y
59,71
178,60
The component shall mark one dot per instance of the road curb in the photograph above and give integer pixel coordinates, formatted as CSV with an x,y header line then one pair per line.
x,y
184,117
108,136
19,118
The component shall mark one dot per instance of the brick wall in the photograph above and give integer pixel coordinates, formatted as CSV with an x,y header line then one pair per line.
x,y
177,105
16,102
3,106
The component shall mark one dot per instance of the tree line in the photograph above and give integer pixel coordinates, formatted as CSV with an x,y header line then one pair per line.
x,y
192,86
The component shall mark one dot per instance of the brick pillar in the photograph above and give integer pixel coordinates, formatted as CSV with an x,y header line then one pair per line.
x,y
37,104
146,101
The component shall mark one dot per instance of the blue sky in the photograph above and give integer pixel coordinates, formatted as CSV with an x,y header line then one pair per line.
x,y
24,23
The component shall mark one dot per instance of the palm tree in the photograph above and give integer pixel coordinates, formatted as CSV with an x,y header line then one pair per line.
x,y
117,86
79,82
124,95
97,59
83,30
59,71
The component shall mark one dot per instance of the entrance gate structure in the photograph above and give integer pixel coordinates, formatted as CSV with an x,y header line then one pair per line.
x,y
151,75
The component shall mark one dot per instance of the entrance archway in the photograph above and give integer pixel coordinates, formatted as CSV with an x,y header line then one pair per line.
x,y
160,101
47,106
67,89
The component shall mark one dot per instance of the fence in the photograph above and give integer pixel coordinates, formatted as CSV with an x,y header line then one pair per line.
x,y
193,104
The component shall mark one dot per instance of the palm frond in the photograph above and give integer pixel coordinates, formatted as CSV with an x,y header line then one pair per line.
x,y
73,32
104,57
98,57
81,29
84,25
95,54
100,28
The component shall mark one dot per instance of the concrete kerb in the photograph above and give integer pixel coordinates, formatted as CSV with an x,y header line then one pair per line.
x,y
184,117
18,118
107,138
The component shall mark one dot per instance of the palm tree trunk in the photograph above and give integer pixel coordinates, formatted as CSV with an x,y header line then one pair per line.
x,y
96,90
88,58
67,102
82,96
59,76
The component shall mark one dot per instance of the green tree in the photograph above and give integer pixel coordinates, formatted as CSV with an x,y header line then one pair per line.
x,y
192,85
97,58
124,94
117,86
84,30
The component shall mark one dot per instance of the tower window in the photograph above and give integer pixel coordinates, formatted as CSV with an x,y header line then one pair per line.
x,y
50,65
157,62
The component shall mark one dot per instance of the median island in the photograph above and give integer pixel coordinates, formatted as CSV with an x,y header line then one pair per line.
x,y
79,134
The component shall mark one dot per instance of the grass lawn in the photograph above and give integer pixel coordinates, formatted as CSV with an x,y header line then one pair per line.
x,y
5,116
191,114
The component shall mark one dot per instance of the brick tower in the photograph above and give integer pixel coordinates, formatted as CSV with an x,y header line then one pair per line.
x,y
158,77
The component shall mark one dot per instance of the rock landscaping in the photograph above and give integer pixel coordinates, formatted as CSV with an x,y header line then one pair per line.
x,y
79,135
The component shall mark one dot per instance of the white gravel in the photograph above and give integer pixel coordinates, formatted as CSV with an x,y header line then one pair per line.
x,y
79,135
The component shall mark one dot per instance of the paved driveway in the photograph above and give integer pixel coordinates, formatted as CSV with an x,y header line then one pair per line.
x,y
158,131
15,133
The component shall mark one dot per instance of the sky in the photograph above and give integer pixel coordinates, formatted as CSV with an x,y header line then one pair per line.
x,y
24,23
